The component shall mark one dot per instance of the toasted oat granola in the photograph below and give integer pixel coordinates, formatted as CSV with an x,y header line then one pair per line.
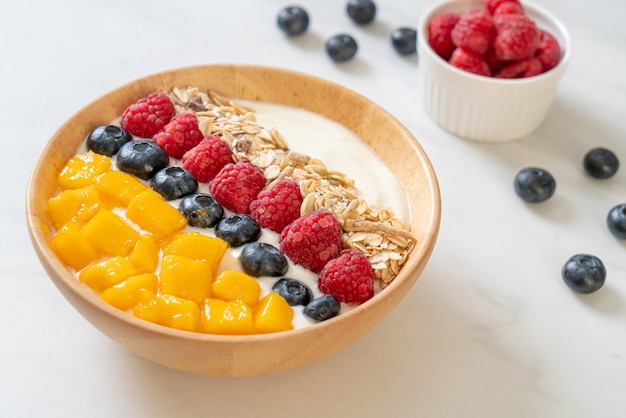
x,y
385,239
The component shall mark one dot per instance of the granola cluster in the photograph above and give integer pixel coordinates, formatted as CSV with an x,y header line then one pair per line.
x,y
385,239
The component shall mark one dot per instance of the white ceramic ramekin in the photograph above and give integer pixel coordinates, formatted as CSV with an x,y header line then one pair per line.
x,y
484,108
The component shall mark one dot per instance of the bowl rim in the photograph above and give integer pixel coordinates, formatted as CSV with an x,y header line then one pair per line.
x,y
37,230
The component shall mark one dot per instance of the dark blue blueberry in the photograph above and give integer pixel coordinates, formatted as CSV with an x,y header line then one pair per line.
x,y
107,139
341,48
601,163
361,11
616,221
322,308
294,291
201,210
534,185
238,229
261,259
293,20
404,40
174,182
584,273
142,158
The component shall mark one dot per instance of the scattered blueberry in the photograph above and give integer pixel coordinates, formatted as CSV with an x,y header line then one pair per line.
x,y
534,185
201,210
361,11
601,163
142,158
341,48
616,221
322,308
107,139
584,273
238,229
404,40
293,20
174,182
294,291
261,259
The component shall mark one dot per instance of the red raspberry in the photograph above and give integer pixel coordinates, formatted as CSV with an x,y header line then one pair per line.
x,y
277,207
207,158
236,185
439,38
312,240
494,62
180,135
527,67
548,52
470,61
517,37
148,115
508,7
492,5
349,277
474,31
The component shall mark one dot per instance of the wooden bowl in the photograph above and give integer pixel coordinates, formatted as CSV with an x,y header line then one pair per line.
x,y
256,354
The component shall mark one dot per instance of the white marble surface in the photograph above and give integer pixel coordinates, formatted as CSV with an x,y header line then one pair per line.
x,y
490,330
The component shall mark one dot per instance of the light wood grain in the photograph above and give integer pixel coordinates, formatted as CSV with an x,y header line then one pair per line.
x,y
258,354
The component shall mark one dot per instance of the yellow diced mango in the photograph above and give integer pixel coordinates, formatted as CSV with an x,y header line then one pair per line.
x,y
77,205
128,293
82,169
117,188
197,246
170,311
273,314
227,318
107,273
72,248
151,212
233,284
145,255
110,233
186,278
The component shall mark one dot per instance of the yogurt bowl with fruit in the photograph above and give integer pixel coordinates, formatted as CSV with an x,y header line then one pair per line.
x,y
210,222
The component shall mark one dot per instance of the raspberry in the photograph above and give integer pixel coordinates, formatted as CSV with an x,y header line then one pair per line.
x,y
492,5
180,135
474,31
517,37
207,158
527,67
548,52
349,278
494,63
236,185
312,240
470,61
439,38
277,207
148,115
508,7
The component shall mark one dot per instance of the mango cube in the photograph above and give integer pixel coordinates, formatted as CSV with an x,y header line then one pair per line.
x,y
171,311
227,318
233,284
117,188
273,314
145,255
185,278
110,233
197,246
82,169
77,205
107,273
151,212
73,248
128,293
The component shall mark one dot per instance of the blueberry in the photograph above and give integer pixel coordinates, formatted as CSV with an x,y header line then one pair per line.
x,y
174,182
616,221
601,163
294,291
261,259
584,273
142,158
361,11
322,308
534,185
341,48
107,139
201,210
293,20
238,229
404,40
